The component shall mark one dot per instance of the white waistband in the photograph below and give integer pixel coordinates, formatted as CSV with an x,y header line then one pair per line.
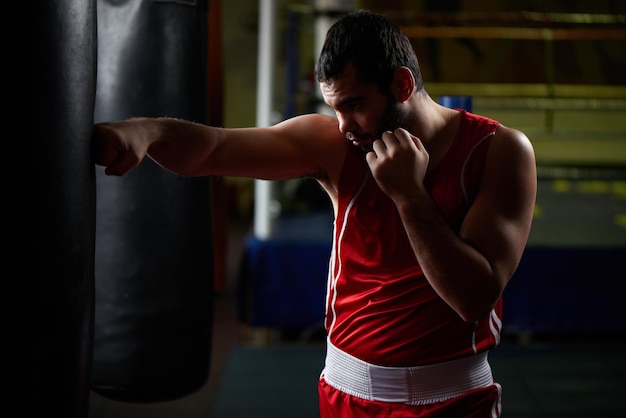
x,y
418,385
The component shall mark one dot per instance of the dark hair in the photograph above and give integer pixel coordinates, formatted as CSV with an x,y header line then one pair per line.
x,y
371,42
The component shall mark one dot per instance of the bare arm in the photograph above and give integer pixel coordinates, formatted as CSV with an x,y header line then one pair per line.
x,y
307,145
469,270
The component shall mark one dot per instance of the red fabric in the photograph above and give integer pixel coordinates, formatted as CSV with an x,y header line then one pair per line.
x,y
480,403
381,309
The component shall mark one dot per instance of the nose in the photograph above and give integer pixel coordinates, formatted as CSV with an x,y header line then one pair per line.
x,y
345,124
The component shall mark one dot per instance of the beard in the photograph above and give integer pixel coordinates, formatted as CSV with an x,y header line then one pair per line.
x,y
393,117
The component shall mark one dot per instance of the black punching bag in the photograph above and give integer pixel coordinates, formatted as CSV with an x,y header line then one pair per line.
x,y
62,79
154,250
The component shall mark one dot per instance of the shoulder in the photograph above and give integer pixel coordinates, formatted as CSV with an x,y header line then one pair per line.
x,y
316,134
310,122
512,142
319,138
511,159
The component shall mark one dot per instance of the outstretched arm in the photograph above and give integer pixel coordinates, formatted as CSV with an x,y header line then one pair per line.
x,y
307,145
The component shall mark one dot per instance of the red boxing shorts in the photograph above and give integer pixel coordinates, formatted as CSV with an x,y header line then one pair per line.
x,y
478,403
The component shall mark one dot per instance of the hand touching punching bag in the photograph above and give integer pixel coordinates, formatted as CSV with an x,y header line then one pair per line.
x,y
154,255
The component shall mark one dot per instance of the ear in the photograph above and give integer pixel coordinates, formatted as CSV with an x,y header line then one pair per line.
x,y
403,84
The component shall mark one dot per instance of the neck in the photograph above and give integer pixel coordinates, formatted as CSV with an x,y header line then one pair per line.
x,y
430,120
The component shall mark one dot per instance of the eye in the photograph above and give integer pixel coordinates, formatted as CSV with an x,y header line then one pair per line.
x,y
350,105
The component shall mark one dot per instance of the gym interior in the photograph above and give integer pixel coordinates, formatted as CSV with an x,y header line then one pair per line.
x,y
181,310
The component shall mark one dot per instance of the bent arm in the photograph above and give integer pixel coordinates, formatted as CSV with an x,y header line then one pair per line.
x,y
470,270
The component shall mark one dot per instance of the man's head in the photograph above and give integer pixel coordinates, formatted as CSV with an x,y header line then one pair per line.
x,y
367,72
374,45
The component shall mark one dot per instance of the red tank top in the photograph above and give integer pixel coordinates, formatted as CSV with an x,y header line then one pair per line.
x,y
380,307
